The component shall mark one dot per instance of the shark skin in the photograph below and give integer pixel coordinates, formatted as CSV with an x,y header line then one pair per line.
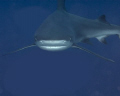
x,y
62,30
61,25
77,28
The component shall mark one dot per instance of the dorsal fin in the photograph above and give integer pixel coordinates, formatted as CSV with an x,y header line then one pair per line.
x,y
102,18
61,5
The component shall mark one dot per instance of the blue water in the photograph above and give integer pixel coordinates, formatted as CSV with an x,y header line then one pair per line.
x,y
34,72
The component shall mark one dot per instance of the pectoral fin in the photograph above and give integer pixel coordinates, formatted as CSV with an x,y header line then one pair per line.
x,y
88,51
19,49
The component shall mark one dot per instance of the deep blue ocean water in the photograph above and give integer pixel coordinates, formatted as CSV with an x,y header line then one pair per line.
x,y
35,72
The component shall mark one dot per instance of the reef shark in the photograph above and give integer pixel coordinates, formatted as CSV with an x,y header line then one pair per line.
x,y
62,30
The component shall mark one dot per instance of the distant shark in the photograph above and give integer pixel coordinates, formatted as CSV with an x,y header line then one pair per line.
x,y
62,30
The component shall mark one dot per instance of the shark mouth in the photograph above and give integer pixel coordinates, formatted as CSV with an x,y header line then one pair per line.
x,y
53,45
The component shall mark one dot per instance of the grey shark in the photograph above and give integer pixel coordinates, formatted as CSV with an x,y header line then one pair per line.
x,y
62,30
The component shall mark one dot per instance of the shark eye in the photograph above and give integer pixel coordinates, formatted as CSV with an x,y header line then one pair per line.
x,y
70,39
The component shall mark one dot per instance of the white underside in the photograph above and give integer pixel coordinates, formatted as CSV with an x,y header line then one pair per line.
x,y
53,45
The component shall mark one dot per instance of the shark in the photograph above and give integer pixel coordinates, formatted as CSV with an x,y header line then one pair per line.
x,y
62,30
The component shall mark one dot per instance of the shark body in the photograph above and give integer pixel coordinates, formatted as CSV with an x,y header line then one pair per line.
x,y
79,29
62,30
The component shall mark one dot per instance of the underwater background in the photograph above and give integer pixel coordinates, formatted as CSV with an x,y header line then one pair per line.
x,y
73,72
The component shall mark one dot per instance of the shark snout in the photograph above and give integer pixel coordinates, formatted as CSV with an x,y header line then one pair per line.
x,y
54,45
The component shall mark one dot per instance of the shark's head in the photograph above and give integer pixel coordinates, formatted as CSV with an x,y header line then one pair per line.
x,y
54,34
53,39
54,44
